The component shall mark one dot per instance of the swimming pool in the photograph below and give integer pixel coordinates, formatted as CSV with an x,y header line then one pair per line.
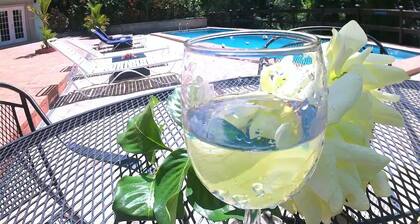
x,y
255,42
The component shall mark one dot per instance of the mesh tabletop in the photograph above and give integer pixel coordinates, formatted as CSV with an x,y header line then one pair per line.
x,y
67,172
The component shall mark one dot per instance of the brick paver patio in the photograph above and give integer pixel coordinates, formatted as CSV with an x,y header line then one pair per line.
x,y
21,67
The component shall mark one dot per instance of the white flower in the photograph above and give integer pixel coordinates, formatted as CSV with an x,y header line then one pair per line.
x,y
347,163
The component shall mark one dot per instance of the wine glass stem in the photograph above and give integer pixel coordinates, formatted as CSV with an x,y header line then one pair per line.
x,y
252,216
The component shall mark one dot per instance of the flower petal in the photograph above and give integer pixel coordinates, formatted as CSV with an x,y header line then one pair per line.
x,y
361,110
353,35
356,58
330,52
286,136
385,114
359,155
324,177
308,205
352,133
379,59
354,193
342,95
385,97
380,185
378,76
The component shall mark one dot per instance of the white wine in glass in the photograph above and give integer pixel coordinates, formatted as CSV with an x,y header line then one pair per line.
x,y
254,147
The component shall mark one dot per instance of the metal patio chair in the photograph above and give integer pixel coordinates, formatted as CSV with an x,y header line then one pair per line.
x,y
11,125
316,30
35,167
11,128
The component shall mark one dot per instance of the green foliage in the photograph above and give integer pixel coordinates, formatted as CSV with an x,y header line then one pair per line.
x,y
57,20
206,204
168,183
158,195
95,18
145,197
42,12
143,134
46,34
43,15
134,197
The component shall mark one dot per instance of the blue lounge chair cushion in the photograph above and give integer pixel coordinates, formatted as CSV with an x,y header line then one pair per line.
x,y
122,42
110,37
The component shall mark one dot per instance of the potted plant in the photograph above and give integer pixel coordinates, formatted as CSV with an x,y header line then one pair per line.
x,y
46,32
95,18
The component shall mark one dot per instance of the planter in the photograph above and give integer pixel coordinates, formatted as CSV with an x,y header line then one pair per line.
x,y
44,50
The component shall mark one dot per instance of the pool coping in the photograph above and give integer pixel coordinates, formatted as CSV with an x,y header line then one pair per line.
x,y
183,39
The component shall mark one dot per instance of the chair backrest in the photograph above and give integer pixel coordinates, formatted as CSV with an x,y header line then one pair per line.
x,y
101,37
314,29
75,54
14,116
102,32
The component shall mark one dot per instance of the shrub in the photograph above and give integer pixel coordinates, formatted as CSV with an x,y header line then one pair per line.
x,y
46,34
96,18
43,15
58,21
42,12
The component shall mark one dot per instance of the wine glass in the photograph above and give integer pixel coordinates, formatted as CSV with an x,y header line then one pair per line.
x,y
254,114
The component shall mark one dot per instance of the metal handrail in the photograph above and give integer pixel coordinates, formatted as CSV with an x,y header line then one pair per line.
x,y
382,49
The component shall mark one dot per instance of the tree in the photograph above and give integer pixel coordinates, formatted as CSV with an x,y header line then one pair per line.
x,y
43,15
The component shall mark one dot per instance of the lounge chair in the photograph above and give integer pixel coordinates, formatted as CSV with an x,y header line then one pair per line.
x,y
92,53
116,43
134,63
114,37
122,42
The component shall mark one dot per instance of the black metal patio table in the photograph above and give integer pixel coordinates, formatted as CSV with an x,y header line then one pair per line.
x,y
66,172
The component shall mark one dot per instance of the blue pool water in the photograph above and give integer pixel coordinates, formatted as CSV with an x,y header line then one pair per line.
x,y
256,42
397,53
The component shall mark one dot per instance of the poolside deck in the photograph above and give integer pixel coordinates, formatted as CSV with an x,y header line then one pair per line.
x,y
410,65
45,76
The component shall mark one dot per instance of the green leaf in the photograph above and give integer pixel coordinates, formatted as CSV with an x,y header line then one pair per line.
x,y
44,5
168,183
134,198
174,106
143,134
206,204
